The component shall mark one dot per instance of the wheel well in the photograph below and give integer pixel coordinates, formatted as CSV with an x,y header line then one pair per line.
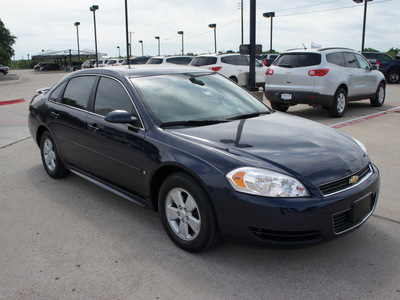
x,y
159,177
39,134
234,78
343,86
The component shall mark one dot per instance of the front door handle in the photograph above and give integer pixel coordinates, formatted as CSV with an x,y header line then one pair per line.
x,y
93,127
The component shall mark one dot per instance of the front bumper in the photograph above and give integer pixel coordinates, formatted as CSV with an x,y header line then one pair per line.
x,y
299,97
297,220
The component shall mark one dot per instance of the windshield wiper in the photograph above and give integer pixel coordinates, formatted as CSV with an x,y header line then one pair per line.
x,y
192,123
250,115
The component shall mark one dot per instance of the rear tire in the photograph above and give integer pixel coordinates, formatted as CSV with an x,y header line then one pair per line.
x,y
380,94
339,104
393,76
187,213
279,106
50,157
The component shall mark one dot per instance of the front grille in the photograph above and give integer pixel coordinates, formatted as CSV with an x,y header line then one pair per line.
x,y
343,184
342,221
286,236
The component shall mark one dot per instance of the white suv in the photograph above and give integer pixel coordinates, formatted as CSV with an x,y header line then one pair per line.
x,y
230,65
326,78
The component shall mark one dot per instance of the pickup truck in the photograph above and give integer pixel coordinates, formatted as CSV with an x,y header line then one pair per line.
x,y
4,69
389,66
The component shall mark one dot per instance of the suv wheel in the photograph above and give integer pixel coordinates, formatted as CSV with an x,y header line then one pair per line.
x,y
339,104
279,106
393,76
187,213
379,98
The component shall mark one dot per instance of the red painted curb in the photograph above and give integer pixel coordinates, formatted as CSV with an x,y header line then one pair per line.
x,y
362,119
12,101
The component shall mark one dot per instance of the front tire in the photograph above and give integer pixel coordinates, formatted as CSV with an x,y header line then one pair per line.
x,y
50,157
339,104
187,213
379,98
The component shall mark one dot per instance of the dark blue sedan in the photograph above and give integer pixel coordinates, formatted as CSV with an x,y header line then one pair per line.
x,y
210,157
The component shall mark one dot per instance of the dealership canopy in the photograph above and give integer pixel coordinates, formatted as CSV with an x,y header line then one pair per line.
x,y
66,54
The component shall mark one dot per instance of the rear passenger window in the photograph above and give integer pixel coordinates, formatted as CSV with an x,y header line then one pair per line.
x,y
78,91
297,60
155,61
242,60
336,58
204,61
230,60
111,96
350,60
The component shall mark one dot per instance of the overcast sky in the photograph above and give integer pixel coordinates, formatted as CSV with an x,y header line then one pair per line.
x,y
49,24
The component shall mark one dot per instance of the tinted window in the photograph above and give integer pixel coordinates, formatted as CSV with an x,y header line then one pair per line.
x,y
242,60
204,61
297,60
111,96
362,62
231,60
336,58
55,95
180,60
350,60
155,61
78,91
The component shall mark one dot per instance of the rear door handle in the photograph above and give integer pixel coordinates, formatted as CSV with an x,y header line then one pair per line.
x,y
54,115
93,127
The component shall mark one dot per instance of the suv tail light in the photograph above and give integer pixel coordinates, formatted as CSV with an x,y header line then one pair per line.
x,y
269,72
215,69
318,72
265,62
378,64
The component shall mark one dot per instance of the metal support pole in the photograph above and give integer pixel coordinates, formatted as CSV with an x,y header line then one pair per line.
x,y
126,34
252,68
270,38
364,23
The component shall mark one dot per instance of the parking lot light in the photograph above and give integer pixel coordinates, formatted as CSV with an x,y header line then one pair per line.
x,y
158,39
364,20
141,42
77,38
93,8
181,33
215,35
270,15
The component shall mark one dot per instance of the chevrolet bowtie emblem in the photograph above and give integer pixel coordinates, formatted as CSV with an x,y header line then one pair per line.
x,y
353,179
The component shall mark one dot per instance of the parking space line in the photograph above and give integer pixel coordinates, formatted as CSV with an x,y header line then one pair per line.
x,y
365,118
7,102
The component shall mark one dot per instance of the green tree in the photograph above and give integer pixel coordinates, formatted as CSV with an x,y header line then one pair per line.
x,y
393,51
6,42
370,50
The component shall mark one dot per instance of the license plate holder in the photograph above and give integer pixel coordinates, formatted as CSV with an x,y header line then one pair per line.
x,y
285,96
361,207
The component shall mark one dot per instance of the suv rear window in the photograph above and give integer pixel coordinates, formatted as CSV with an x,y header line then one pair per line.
x,y
204,61
155,61
297,60
179,60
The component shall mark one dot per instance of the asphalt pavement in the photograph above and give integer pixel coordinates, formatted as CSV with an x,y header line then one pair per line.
x,y
69,239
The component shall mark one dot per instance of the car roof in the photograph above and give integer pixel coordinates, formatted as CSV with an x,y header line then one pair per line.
x,y
330,49
142,70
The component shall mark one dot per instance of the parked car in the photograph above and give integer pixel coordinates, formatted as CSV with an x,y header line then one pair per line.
x,y
4,70
328,78
231,66
46,66
267,59
187,142
389,66
112,62
140,60
174,60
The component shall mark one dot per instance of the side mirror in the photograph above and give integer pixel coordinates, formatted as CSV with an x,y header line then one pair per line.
x,y
120,117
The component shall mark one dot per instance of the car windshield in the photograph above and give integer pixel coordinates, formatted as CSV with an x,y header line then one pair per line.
x,y
196,99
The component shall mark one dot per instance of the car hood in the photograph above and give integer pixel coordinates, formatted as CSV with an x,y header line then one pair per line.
x,y
312,152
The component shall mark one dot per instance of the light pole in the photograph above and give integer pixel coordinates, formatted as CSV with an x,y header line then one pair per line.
x,y
128,45
215,35
365,20
141,42
158,39
119,52
181,33
241,18
77,39
270,15
93,8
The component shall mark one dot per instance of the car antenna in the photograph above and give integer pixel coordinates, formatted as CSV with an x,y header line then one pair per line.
x,y
304,46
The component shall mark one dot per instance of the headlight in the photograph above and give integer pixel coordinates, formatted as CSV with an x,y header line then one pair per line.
x,y
265,183
362,146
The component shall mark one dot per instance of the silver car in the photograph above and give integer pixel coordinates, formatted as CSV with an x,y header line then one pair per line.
x,y
328,78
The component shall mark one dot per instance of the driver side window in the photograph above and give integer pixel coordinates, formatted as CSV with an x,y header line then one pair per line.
x,y
110,96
